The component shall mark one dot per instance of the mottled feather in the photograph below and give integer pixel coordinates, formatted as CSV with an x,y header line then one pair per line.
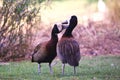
x,y
68,51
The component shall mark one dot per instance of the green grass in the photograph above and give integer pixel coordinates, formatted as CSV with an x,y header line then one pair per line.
x,y
95,68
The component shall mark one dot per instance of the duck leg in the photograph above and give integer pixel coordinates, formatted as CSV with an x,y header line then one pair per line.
x,y
63,67
74,70
51,71
39,68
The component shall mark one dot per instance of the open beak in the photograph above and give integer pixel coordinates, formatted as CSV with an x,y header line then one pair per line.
x,y
65,24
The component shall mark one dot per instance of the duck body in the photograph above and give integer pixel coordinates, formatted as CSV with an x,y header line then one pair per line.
x,y
46,52
68,49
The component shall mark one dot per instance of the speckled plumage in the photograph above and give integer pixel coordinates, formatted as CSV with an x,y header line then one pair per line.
x,y
68,48
69,51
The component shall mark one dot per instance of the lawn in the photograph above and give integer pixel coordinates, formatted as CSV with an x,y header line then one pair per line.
x,y
90,68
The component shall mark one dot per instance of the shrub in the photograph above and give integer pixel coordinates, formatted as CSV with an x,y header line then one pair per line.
x,y
16,27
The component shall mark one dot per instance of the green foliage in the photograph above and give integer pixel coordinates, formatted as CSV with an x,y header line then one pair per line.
x,y
91,68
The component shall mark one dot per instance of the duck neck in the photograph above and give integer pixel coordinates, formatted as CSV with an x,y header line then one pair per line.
x,y
68,32
54,36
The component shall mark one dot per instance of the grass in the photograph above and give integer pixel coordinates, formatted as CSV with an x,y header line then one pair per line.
x,y
95,68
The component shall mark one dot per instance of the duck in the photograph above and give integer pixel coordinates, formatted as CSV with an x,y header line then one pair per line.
x,y
68,49
45,52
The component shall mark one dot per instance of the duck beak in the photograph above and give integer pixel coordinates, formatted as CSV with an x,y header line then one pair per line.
x,y
65,24
62,26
